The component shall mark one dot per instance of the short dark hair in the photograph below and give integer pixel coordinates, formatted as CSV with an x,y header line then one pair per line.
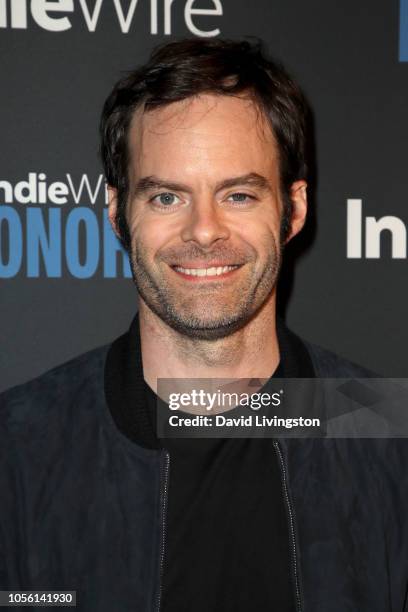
x,y
180,70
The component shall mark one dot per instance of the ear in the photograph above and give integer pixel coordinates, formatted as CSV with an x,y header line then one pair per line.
x,y
113,207
298,196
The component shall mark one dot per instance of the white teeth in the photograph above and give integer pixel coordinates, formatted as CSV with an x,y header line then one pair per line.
x,y
205,271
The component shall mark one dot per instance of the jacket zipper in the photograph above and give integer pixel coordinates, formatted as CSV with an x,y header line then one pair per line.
x,y
291,524
165,489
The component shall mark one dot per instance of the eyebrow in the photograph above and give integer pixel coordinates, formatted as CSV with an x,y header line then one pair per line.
x,y
252,179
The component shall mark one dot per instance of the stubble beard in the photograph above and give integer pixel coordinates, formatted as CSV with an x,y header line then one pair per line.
x,y
186,314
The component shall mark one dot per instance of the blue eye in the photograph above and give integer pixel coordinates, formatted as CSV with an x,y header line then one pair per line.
x,y
240,197
166,198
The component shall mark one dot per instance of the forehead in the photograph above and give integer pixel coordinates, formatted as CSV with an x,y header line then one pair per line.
x,y
205,135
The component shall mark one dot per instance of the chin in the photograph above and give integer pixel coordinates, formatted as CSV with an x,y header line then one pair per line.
x,y
198,329
206,322
206,333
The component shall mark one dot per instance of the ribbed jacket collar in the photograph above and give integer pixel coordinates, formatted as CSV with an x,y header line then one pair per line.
x,y
125,388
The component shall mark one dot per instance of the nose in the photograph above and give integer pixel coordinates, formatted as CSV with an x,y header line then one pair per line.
x,y
205,223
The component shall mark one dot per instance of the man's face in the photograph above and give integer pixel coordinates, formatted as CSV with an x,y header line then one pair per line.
x,y
204,213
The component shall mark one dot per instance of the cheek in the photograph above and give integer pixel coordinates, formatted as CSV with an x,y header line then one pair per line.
x,y
149,235
262,235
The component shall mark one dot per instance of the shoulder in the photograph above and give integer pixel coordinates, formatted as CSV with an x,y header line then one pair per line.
x,y
328,364
349,433
61,386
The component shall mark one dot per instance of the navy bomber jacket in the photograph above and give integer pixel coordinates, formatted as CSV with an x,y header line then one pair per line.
x,y
82,506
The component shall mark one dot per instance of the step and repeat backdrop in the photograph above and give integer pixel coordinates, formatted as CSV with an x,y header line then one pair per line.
x,y
65,282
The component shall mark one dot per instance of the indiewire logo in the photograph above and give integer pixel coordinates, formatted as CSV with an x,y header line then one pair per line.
x,y
372,231
50,15
403,35
51,229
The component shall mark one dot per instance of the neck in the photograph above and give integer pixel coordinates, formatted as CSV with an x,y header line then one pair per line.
x,y
250,352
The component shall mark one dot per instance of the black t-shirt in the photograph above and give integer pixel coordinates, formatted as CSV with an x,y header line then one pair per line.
x,y
227,538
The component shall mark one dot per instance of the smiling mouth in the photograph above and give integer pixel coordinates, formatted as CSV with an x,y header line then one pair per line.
x,y
211,272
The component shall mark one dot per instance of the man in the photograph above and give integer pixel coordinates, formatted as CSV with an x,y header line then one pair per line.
x,y
204,150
